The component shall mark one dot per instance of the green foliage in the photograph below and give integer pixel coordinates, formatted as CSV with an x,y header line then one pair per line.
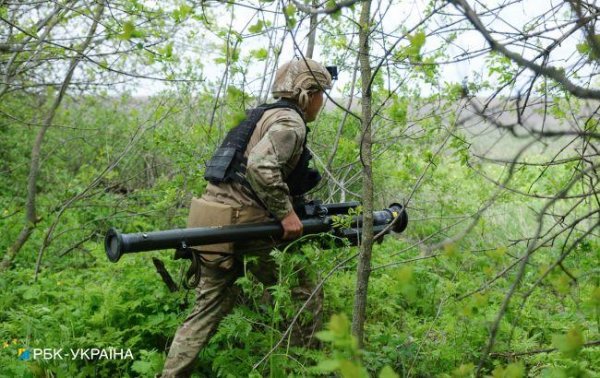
x,y
570,343
501,67
429,311
290,14
346,354
346,221
585,49
126,309
416,323
260,54
515,370
182,12
257,27
130,31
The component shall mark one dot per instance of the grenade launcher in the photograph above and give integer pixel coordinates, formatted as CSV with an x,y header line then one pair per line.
x,y
338,219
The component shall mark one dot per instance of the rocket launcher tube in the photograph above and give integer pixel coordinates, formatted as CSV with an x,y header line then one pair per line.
x,y
116,244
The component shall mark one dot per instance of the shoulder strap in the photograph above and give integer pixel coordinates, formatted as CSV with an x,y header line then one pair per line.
x,y
283,103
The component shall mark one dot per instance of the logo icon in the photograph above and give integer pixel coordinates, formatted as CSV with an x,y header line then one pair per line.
x,y
23,354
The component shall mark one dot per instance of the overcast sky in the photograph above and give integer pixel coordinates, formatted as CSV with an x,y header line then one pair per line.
x,y
403,14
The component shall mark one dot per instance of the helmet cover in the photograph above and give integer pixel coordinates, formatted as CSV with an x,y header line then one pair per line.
x,y
300,75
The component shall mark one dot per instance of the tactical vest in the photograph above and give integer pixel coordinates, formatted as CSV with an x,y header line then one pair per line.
x,y
228,163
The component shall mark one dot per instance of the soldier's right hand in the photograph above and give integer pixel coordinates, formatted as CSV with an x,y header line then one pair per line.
x,y
292,226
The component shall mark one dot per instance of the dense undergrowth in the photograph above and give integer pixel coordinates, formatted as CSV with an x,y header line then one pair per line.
x,y
429,311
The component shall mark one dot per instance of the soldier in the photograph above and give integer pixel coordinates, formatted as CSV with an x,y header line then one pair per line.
x,y
253,176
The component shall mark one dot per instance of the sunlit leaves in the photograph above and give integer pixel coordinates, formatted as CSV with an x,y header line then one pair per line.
x,y
328,366
167,50
454,91
331,4
405,281
560,281
584,48
594,298
290,14
501,67
474,304
345,359
181,13
130,31
338,333
417,41
148,362
388,372
398,110
463,371
350,369
412,52
257,27
260,54
450,250
497,254
514,370
570,343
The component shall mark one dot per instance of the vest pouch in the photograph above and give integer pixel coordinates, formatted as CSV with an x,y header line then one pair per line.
x,y
211,214
220,163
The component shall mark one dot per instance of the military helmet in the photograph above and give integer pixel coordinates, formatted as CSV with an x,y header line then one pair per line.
x,y
298,76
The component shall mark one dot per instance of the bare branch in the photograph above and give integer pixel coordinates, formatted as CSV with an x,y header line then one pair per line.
x,y
329,10
554,73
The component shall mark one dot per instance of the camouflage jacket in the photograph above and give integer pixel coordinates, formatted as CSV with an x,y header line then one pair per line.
x,y
273,151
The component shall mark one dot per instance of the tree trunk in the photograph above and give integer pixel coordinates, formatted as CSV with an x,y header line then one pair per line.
x,y
312,33
31,218
364,259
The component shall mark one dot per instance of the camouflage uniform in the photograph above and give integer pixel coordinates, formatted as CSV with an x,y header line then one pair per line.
x,y
272,152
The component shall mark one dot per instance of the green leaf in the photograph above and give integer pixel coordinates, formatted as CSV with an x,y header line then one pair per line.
x,y
562,283
417,41
331,4
185,10
514,370
339,324
31,293
181,13
585,49
349,369
256,28
290,10
570,343
290,13
450,250
594,298
498,253
142,367
167,51
404,275
388,372
464,370
128,29
325,336
260,54
328,365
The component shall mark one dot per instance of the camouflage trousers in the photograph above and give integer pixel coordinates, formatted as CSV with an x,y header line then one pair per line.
x,y
216,296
